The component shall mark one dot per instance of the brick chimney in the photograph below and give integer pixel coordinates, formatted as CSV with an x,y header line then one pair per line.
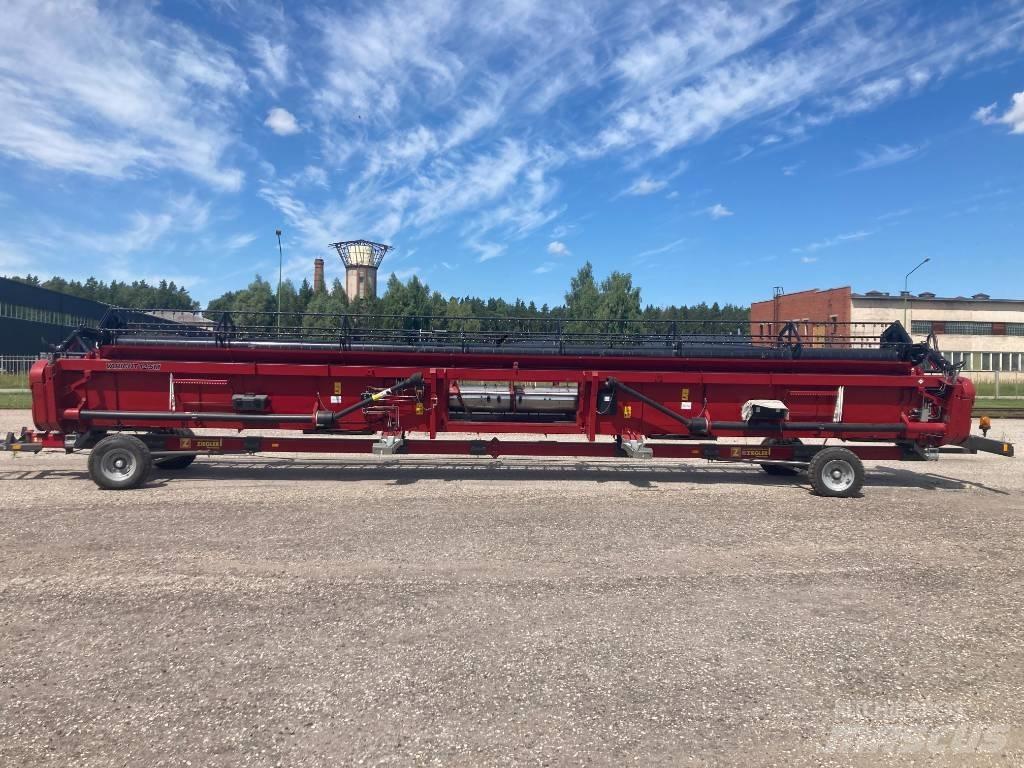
x,y
318,276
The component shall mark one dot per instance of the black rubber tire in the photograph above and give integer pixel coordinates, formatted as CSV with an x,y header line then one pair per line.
x,y
119,462
836,472
176,462
780,470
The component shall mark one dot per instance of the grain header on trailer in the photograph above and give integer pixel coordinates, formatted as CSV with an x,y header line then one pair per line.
x,y
132,392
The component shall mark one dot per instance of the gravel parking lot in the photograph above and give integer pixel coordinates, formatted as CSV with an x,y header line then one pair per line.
x,y
322,611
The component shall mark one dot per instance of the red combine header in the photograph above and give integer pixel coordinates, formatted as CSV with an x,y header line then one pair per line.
x,y
133,391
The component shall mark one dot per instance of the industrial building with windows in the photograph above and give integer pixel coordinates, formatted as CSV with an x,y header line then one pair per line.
x,y
985,334
32,319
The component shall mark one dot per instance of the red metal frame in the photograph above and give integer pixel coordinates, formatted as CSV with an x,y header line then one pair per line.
x,y
138,379
225,444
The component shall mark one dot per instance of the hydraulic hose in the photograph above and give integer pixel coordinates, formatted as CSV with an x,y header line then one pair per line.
x,y
695,426
416,378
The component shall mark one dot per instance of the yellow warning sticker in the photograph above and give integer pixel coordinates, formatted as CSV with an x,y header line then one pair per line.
x,y
685,395
627,411
337,387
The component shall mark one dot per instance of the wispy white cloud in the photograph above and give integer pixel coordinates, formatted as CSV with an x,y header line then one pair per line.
x,y
563,230
424,116
898,214
790,170
666,248
745,150
115,93
1013,116
273,60
240,241
13,259
282,122
312,174
317,228
145,229
428,130
808,259
544,268
884,155
831,242
716,211
557,248
684,92
645,185
487,251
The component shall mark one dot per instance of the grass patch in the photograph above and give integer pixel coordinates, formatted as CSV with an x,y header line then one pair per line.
x,y
15,400
13,381
992,404
1012,385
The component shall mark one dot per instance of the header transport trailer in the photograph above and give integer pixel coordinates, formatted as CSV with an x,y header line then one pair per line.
x,y
132,392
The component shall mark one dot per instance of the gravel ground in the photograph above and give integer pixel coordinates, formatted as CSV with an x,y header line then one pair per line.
x,y
315,611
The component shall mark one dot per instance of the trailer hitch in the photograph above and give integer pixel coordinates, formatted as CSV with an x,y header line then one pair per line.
x,y
21,443
973,444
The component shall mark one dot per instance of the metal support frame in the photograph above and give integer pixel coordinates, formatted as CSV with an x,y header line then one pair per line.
x,y
388,445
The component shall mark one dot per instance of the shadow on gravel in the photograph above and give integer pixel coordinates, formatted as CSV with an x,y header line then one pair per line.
x,y
408,472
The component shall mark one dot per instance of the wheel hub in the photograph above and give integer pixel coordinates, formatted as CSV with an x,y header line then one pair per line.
x,y
838,475
117,465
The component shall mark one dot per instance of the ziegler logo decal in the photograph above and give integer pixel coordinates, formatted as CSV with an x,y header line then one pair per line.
x,y
760,453
187,443
131,365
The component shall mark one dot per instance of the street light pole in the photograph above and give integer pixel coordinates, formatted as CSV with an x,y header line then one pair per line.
x,y
280,274
906,288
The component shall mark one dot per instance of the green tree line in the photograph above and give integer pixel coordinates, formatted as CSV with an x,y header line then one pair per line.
x,y
138,294
611,303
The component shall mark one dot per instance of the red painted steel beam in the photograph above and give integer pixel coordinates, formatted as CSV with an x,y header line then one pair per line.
x,y
233,444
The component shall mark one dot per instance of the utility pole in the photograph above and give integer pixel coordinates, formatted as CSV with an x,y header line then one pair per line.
x,y
280,275
906,289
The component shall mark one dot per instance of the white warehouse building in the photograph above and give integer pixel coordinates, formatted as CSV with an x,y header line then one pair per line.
x,y
985,334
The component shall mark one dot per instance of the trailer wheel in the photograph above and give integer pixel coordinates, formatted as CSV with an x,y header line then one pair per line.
x,y
836,472
119,462
780,470
177,462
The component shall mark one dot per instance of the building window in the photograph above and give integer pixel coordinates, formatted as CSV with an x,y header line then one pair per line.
x,y
38,315
922,327
968,328
1015,329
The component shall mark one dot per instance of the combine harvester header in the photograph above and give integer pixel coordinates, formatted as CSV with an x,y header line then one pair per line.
x,y
132,392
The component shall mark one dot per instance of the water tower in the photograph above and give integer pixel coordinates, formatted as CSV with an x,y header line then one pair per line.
x,y
361,258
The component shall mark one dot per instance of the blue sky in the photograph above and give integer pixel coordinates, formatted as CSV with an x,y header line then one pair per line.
x,y
712,149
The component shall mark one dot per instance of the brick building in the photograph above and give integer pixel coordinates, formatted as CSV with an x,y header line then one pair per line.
x,y
986,334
